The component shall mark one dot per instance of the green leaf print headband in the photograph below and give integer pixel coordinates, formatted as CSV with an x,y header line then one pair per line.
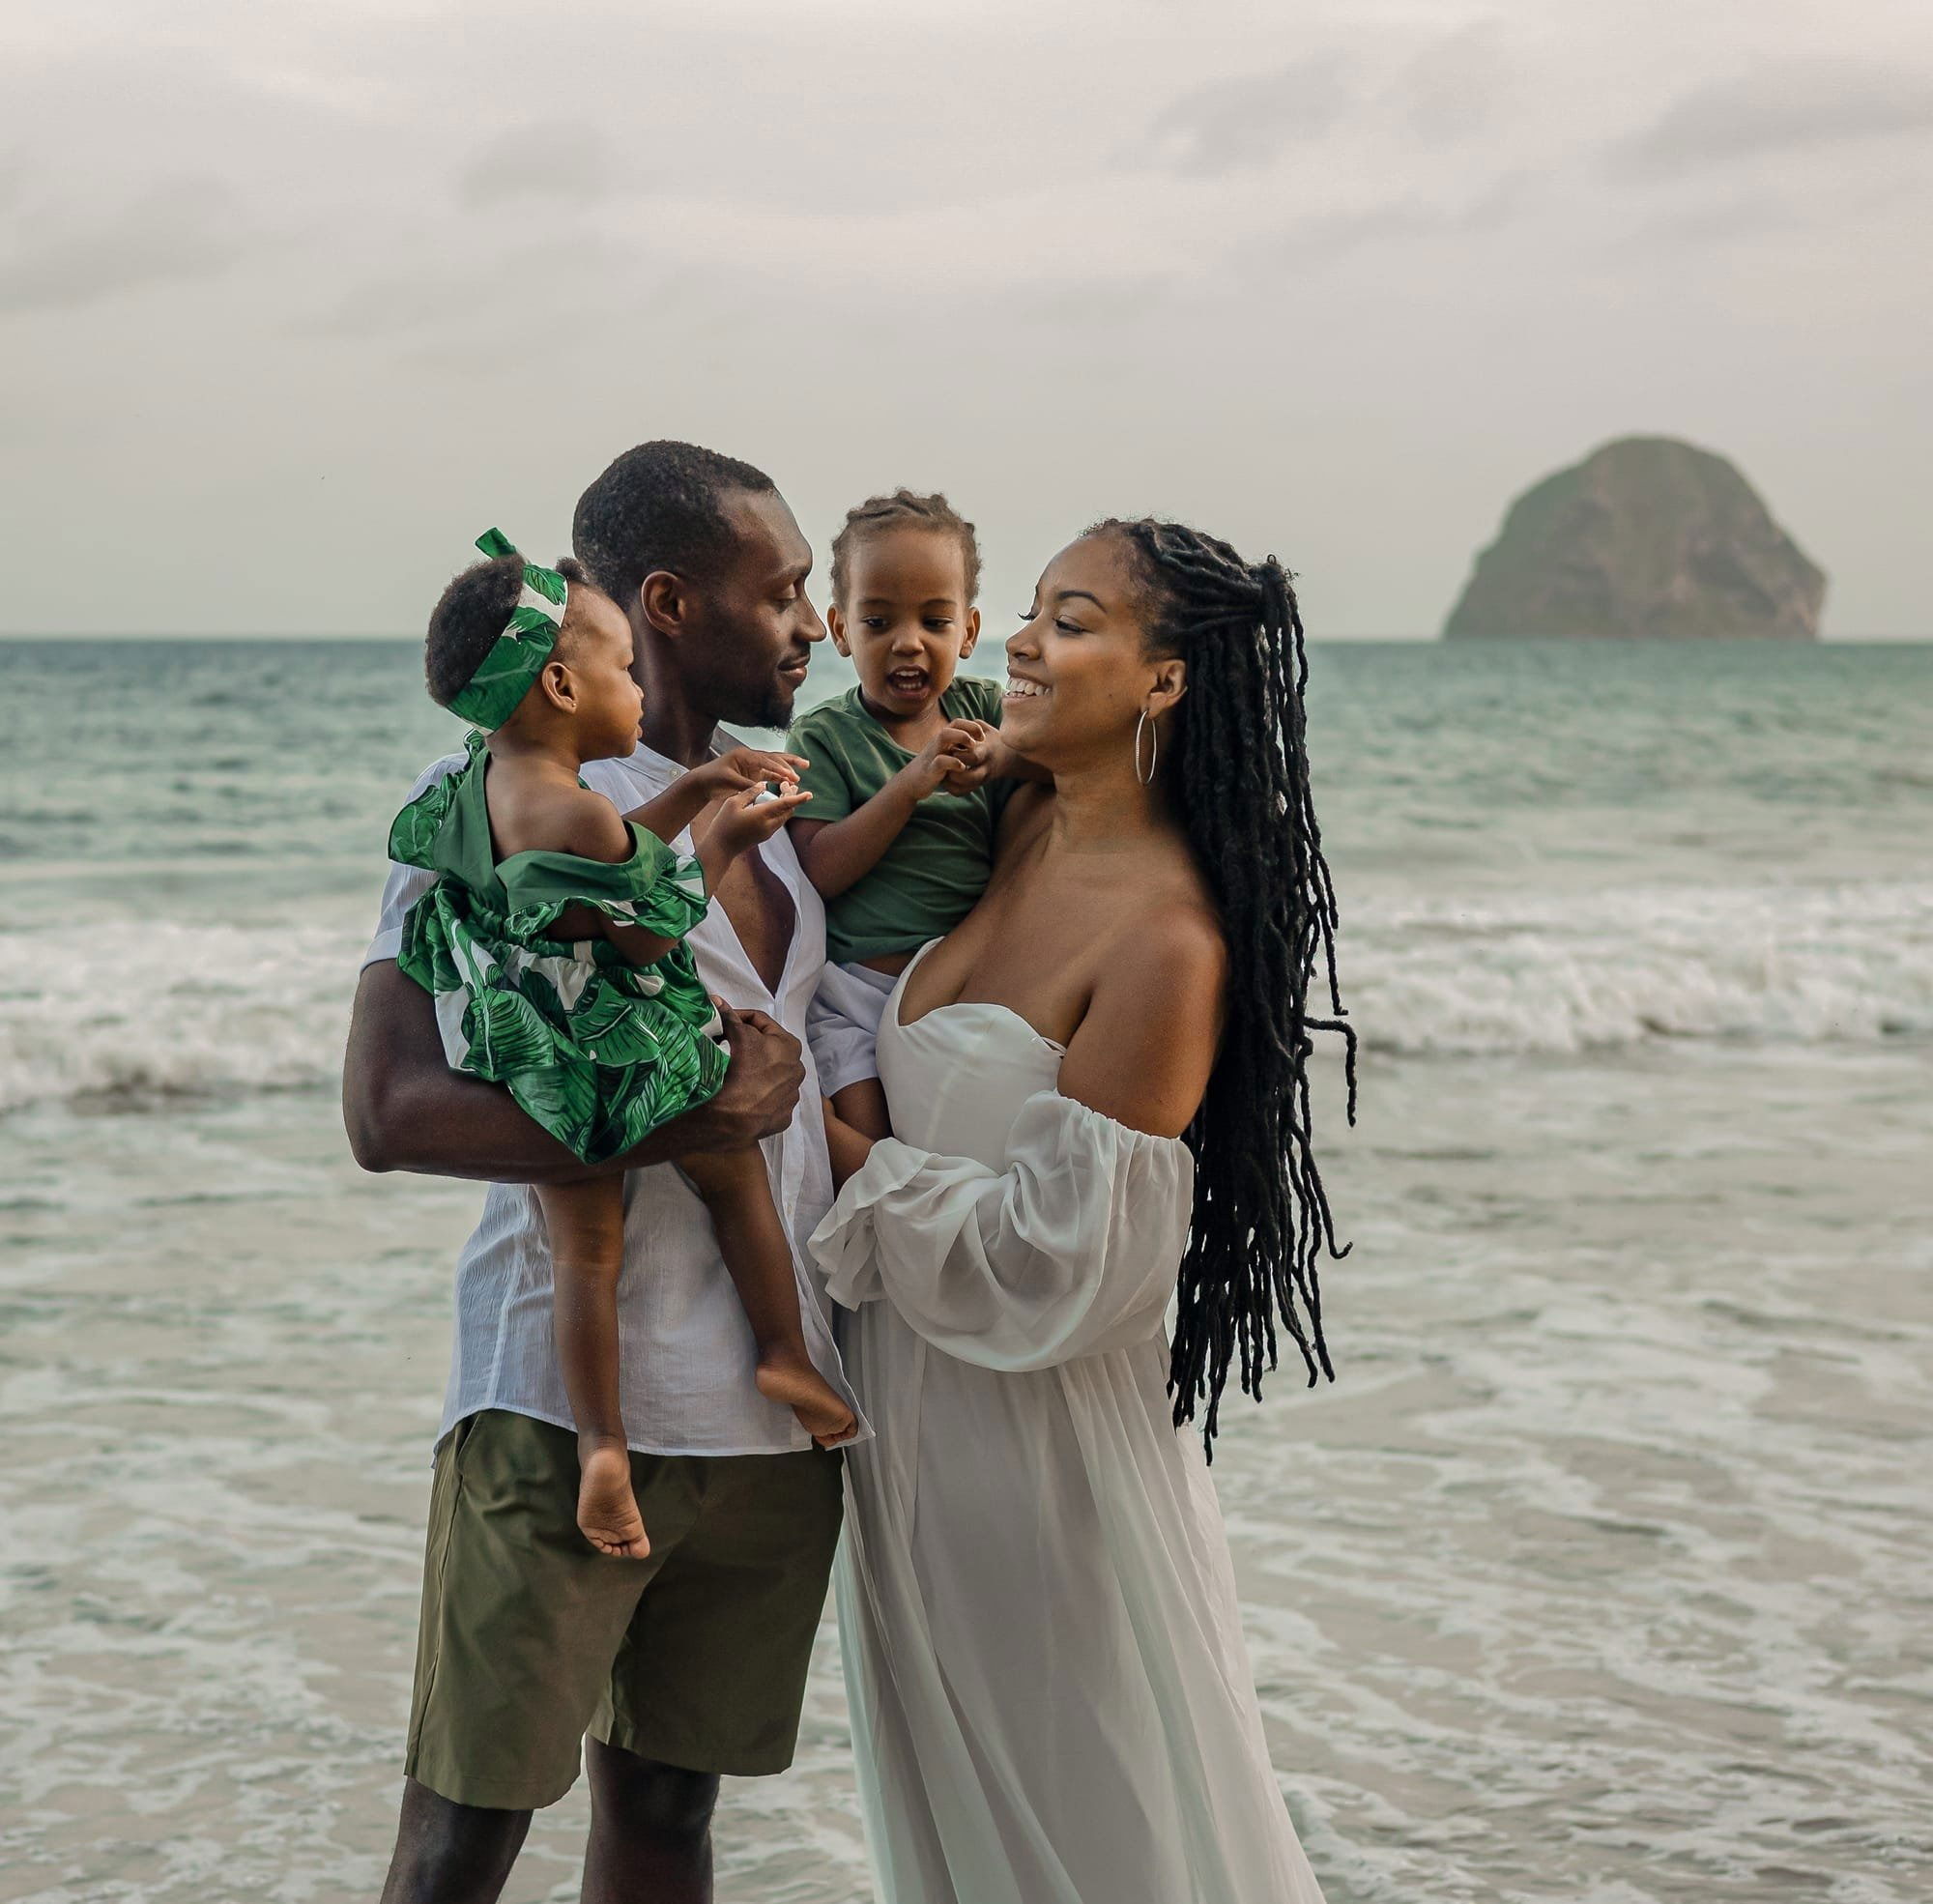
x,y
517,656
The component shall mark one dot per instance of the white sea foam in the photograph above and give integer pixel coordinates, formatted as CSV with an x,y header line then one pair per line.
x,y
142,1010
1628,966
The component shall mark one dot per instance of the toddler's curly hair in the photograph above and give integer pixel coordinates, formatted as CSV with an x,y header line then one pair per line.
x,y
904,508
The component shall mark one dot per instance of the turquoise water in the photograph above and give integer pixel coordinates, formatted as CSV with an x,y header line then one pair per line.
x,y
275,750
1600,1575
1539,847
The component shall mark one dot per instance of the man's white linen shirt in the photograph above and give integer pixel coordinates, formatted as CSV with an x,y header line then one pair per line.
x,y
687,1357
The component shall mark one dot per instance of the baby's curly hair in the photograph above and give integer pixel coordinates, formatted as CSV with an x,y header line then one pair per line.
x,y
471,614
904,508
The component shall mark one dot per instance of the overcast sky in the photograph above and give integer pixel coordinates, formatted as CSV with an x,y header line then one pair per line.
x,y
294,300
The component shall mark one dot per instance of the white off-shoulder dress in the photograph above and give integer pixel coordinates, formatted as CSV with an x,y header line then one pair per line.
x,y
1051,1698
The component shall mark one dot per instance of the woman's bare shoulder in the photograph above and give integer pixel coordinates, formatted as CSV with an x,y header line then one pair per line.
x,y
1145,1048
1174,940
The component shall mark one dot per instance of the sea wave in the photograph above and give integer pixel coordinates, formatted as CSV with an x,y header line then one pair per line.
x,y
1634,965
145,1011
140,1013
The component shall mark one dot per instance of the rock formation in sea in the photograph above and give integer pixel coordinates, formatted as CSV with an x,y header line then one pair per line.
x,y
1645,537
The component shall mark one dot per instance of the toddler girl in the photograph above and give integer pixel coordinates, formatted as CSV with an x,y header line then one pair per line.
x,y
553,945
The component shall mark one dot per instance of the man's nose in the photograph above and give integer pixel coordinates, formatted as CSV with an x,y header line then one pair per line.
x,y
811,627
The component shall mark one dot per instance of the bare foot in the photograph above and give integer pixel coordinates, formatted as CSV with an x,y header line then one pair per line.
x,y
786,1375
607,1511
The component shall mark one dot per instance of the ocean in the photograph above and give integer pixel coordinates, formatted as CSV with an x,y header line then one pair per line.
x,y
1600,1575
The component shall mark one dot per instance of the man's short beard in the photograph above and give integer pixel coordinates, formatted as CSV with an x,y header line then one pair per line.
x,y
776,712
748,704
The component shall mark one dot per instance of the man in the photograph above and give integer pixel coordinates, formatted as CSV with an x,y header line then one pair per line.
x,y
692,1662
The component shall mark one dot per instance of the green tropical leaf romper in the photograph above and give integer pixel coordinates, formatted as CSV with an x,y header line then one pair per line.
x,y
596,1050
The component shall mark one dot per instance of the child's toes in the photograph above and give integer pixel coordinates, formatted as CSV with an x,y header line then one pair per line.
x,y
618,1542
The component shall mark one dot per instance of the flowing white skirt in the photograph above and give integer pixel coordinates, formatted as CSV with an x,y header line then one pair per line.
x,y
1051,1701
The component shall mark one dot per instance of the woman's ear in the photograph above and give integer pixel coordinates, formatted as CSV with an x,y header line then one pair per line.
x,y
1170,684
835,627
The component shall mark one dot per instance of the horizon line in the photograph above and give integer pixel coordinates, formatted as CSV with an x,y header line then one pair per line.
x,y
162,635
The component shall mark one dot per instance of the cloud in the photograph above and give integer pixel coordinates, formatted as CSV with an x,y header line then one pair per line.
x,y
1333,235
187,228
1456,88
492,299
555,159
1242,125
1737,215
1781,108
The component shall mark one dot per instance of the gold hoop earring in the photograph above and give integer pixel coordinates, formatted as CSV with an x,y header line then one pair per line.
x,y
1154,751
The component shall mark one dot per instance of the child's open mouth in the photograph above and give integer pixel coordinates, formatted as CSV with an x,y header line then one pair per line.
x,y
909,681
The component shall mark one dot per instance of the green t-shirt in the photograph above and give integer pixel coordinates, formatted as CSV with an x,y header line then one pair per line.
x,y
929,879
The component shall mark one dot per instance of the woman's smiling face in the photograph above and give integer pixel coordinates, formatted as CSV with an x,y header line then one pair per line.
x,y
1079,672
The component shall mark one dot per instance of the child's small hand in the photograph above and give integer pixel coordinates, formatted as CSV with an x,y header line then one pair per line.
x,y
748,819
981,757
742,769
944,761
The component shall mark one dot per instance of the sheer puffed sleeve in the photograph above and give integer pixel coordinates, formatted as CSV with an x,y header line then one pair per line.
x,y
1069,1249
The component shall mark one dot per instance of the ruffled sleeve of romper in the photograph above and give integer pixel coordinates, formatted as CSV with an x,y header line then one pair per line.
x,y
653,888
1069,1249
430,832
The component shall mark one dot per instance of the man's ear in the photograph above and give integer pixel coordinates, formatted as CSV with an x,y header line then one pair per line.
x,y
835,627
1170,684
972,633
662,598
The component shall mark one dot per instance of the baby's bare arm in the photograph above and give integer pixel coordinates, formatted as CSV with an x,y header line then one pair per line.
x,y
736,770
641,947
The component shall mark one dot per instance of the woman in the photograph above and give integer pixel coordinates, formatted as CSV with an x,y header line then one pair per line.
x,y
1096,1077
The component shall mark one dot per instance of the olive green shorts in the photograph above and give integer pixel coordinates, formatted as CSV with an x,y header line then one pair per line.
x,y
695,1657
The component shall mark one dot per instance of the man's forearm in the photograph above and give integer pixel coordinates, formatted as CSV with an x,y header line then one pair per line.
x,y
405,1109
456,1126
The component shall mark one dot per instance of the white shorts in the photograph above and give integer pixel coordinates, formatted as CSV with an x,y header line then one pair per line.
x,y
841,1024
